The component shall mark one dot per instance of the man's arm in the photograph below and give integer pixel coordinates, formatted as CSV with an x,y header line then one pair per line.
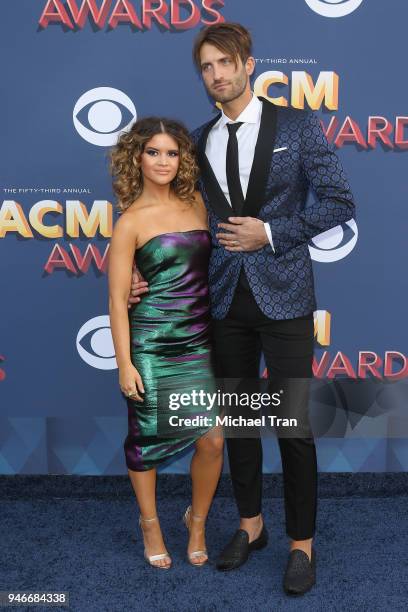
x,y
334,204
138,287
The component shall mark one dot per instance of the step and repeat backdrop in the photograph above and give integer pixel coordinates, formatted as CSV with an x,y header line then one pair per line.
x,y
78,72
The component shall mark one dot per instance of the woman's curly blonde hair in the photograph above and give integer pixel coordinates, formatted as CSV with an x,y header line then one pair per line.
x,y
125,160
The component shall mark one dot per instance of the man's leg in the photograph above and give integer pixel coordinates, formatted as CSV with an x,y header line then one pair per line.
x,y
237,355
288,350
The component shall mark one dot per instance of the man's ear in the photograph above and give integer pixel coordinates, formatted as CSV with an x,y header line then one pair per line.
x,y
250,65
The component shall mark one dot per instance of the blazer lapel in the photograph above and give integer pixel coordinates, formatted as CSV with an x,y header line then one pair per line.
x,y
259,172
262,160
216,197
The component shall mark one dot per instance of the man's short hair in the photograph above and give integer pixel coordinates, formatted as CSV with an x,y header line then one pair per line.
x,y
230,38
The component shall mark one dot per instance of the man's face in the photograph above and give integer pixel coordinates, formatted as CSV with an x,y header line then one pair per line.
x,y
223,79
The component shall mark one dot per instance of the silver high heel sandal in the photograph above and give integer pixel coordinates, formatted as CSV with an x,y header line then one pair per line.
x,y
150,560
188,516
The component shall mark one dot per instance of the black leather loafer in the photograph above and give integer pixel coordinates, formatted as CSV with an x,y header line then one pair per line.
x,y
237,551
300,574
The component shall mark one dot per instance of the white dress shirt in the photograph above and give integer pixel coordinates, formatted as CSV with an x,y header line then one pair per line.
x,y
247,135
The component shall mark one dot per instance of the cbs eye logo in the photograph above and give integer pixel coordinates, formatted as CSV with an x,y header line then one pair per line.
x,y
334,244
333,8
95,335
104,109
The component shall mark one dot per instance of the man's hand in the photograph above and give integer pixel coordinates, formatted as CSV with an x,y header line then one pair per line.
x,y
246,234
138,287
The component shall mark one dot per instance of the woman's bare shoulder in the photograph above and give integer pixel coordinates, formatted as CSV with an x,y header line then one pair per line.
x,y
129,222
138,212
199,202
198,198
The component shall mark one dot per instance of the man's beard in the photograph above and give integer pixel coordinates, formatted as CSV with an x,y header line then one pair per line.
x,y
235,90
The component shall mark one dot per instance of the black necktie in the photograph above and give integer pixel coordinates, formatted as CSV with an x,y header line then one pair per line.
x,y
232,169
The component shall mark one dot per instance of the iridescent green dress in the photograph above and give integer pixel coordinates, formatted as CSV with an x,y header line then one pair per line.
x,y
170,345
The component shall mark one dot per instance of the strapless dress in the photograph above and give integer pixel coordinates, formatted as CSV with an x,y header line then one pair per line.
x,y
170,345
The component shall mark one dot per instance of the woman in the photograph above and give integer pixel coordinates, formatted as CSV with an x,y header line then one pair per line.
x,y
165,339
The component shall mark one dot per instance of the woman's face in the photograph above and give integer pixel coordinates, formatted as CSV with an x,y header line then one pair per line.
x,y
160,159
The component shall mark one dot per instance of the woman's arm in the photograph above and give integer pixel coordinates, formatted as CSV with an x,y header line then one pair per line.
x,y
121,255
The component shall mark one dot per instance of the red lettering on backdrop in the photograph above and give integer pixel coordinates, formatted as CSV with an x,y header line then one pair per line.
x,y
341,365
184,24
350,132
91,254
124,13
378,131
331,128
388,373
58,15
59,258
2,372
369,362
208,6
98,15
158,13
320,367
400,124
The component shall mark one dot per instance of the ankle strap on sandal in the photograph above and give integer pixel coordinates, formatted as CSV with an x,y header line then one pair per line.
x,y
147,520
197,517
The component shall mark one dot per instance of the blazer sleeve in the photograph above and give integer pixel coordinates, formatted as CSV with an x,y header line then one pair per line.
x,y
334,201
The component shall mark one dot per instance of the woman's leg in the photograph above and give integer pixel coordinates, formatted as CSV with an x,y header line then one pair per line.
x,y
205,470
144,486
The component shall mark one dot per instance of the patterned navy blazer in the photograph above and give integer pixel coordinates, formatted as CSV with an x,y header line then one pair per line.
x,y
281,281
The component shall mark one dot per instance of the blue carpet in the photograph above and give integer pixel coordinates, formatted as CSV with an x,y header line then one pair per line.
x,y
92,548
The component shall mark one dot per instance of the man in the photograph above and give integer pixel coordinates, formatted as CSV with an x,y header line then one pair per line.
x,y
257,164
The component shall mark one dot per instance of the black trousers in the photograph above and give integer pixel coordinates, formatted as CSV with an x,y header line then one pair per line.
x,y
287,346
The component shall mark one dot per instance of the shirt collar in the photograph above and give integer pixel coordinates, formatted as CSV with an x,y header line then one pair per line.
x,y
251,113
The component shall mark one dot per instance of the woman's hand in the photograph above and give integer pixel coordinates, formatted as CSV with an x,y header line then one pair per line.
x,y
131,383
